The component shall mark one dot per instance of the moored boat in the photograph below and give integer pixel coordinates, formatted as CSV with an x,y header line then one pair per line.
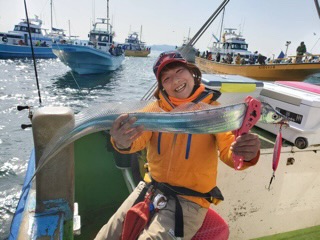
x,y
100,55
16,43
91,174
267,72
134,47
187,51
249,65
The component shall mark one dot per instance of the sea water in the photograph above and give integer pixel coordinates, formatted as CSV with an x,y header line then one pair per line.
x,y
58,87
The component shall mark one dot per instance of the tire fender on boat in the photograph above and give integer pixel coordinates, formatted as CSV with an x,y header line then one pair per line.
x,y
4,38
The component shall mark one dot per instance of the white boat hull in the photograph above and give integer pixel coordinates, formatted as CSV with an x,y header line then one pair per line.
x,y
87,60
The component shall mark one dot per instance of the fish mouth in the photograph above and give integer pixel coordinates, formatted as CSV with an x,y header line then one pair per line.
x,y
272,116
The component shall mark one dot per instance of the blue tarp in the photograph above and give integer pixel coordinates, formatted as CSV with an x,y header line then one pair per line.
x,y
281,55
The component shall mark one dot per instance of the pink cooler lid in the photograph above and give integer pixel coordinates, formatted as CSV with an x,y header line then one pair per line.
x,y
301,85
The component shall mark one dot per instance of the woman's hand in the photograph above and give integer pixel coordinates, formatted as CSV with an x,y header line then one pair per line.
x,y
247,146
123,133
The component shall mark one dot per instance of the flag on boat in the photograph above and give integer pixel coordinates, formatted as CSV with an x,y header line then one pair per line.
x,y
281,55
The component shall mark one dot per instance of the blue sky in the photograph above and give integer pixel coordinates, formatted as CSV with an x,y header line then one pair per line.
x,y
266,24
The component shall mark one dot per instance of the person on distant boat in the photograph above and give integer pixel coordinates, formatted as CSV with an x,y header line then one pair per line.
x,y
111,49
251,59
224,37
182,167
38,43
302,49
261,59
229,58
238,59
21,42
44,44
218,56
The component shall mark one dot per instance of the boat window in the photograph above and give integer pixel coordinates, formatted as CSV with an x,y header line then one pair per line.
x,y
244,46
235,46
104,38
94,37
16,28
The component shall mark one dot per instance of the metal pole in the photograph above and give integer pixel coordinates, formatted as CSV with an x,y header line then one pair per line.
x,y
317,7
51,13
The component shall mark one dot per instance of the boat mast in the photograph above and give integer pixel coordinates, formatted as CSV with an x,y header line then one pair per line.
x,y
93,12
140,33
51,13
221,24
69,29
108,16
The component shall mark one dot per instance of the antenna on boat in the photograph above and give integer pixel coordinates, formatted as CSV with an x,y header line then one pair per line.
x,y
93,12
108,16
32,51
51,14
287,46
69,29
221,27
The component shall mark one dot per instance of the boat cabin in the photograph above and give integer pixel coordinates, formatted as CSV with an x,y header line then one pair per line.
x,y
231,43
19,35
101,34
133,43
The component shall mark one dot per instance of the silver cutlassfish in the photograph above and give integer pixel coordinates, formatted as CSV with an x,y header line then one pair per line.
x,y
190,118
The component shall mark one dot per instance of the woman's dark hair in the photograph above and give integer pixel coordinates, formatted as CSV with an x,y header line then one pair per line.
x,y
193,69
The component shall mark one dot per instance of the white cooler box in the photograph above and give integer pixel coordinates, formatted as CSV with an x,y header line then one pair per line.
x,y
300,102
233,88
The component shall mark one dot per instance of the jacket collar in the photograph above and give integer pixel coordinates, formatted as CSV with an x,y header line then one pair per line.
x,y
168,103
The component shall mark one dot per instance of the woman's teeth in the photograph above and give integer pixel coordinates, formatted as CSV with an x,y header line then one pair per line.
x,y
180,88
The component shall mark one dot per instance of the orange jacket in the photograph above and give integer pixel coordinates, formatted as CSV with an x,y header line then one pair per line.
x,y
186,160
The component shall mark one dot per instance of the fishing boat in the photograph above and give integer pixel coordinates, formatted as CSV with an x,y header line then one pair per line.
x,y
188,52
266,72
76,193
100,55
134,47
16,43
233,44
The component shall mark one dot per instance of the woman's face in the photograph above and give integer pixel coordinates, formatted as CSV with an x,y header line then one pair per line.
x,y
178,82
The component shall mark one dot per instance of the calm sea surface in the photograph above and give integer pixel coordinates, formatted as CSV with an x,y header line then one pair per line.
x,y
59,87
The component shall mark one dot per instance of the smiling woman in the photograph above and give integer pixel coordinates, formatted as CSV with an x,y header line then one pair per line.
x,y
177,80
175,161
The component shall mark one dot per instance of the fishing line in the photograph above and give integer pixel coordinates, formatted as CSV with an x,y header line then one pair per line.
x,y
71,72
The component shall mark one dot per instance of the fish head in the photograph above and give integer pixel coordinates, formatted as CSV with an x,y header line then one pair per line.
x,y
271,116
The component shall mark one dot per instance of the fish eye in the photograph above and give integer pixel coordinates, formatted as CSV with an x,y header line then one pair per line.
x,y
275,116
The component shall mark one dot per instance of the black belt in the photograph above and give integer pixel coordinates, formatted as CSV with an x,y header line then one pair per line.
x,y
174,191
